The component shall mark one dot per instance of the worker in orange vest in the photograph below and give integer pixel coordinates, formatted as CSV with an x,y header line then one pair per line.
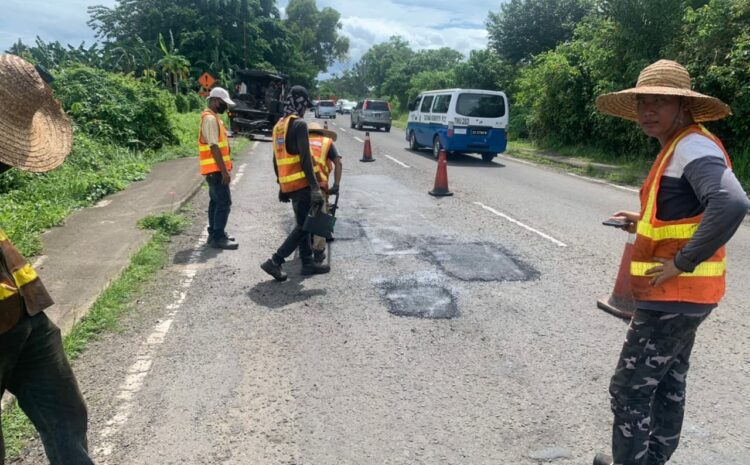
x,y
298,183
328,163
33,364
691,205
214,156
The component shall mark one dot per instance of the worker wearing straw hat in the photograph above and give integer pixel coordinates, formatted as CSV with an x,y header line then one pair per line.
x,y
691,205
327,159
36,136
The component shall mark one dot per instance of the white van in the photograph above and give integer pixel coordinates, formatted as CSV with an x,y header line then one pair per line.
x,y
460,121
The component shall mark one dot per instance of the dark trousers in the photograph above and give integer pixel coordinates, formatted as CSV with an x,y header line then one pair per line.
x,y
219,205
33,367
301,204
648,387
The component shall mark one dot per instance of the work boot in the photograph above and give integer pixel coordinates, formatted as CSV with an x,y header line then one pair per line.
x,y
319,256
314,268
223,244
228,237
602,459
274,270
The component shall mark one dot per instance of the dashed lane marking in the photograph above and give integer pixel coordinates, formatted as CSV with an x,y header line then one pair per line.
x,y
599,181
343,130
398,161
359,140
514,221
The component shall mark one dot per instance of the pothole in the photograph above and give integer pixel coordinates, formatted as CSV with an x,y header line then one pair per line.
x,y
478,262
420,301
346,229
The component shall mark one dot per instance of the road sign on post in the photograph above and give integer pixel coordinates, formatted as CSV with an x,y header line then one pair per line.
x,y
206,81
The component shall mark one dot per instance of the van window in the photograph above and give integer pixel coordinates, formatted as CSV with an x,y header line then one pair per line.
x,y
480,105
326,103
442,102
359,106
426,104
376,105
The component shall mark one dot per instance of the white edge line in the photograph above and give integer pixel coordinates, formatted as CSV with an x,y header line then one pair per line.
x,y
343,130
399,162
599,181
517,160
359,140
535,231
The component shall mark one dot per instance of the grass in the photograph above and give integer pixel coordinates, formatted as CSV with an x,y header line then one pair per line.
x,y
104,315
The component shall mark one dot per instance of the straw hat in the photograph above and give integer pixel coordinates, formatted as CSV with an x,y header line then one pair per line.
x,y
317,128
35,133
664,77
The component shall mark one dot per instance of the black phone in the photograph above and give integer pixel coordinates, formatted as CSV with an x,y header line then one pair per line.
x,y
616,223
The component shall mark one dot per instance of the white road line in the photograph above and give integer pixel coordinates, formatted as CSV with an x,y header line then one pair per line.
x,y
518,160
140,369
399,162
240,173
599,181
514,221
342,130
359,140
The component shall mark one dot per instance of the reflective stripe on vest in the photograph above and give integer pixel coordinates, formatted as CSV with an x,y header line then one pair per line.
x,y
664,239
320,146
206,160
291,177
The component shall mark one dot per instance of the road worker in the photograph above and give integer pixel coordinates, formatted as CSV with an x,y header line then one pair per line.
x,y
295,171
215,160
33,365
691,205
327,160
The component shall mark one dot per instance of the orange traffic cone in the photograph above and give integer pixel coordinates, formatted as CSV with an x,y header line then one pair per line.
x,y
441,177
367,152
620,303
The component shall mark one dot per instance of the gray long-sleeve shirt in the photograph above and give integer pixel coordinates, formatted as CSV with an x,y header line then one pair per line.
x,y
699,181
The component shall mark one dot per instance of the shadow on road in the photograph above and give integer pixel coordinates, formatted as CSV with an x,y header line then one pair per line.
x,y
460,159
275,295
183,257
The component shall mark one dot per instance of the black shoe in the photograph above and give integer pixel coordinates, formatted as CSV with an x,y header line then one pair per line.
x,y
274,270
227,237
314,268
602,459
319,256
223,244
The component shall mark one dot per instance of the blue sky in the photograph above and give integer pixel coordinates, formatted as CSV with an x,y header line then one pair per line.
x,y
425,24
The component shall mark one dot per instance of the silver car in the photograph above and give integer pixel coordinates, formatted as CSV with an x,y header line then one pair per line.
x,y
374,113
325,109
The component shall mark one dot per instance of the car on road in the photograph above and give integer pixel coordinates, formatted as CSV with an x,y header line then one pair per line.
x,y
325,109
344,106
459,121
373,113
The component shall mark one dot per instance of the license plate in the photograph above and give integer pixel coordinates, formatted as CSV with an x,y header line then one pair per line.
x,y
479,132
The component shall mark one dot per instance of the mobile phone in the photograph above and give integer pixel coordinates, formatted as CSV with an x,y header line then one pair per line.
x,y
616,223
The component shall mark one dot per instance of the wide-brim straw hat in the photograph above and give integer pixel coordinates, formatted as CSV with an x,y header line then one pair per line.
x,y
318,129
665,77
35,133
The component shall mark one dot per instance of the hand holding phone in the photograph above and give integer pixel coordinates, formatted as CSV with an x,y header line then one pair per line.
x,y
616,223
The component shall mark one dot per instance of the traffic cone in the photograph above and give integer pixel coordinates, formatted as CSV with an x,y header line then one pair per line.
x,y
441,177
367,152
620,303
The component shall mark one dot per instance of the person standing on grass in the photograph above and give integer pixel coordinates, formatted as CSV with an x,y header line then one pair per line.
x,y
691,205
33,365
214,156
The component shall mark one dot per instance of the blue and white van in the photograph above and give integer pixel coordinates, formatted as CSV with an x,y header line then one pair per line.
x,y
460,121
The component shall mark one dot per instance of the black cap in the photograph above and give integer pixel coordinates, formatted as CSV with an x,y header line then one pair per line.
x,y
298,92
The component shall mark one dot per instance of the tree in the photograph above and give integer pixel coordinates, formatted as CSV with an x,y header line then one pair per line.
x,y
524,28
174,66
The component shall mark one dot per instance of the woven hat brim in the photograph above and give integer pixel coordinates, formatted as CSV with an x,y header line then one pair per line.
x,y
623,103
323,132
40,147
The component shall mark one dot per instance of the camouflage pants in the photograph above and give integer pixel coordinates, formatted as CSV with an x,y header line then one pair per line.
x,y
648,387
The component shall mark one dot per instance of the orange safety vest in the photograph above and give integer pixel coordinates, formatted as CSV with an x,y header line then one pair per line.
x,y
20,287
663,239
205,157
291,175
320,146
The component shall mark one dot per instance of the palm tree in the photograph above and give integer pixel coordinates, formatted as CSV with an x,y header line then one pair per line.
x,y
174,66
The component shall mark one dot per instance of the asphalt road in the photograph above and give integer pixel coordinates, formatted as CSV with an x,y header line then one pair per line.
x,y
456,330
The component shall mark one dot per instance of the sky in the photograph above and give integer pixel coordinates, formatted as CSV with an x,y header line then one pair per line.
x,y
423,23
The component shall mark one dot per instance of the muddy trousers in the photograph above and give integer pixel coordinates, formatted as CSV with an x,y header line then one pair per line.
x,y
648,387
34,368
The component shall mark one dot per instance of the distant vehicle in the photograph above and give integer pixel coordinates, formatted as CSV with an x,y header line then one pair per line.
x,y
374,113
325,109
460,121
344,106
259,96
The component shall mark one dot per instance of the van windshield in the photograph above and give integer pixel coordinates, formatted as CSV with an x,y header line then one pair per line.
x,y
480,105
326,103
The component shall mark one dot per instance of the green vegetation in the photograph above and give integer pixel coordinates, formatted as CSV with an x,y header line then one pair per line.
x,y
105,314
